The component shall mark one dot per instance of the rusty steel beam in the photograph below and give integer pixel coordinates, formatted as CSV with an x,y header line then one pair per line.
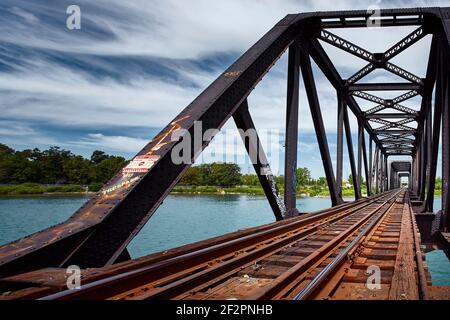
x,y
383,86
290,157
254,148
366,165
340,142
351,154
313,101
433,142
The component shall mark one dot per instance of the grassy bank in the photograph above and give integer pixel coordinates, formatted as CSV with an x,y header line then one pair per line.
x,y
34,188
308,191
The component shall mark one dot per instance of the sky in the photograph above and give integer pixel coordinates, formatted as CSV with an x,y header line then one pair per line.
x,y
134,65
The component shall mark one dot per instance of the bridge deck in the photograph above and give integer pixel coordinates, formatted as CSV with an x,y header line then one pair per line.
x,y
330,254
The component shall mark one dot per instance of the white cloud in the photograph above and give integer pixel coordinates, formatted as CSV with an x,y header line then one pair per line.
x,y
111,143
27,16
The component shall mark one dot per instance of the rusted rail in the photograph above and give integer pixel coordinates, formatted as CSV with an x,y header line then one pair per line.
x,y
306,257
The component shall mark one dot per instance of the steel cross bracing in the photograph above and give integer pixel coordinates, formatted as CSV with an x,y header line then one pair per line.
x,y
99,232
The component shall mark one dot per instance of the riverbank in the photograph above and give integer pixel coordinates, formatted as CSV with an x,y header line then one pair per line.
x,y
39,189
305,192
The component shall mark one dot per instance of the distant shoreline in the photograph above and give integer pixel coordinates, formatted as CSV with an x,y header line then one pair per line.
x,y
32,189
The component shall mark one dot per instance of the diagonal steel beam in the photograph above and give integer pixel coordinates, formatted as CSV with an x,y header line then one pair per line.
x,y
366,166
383,103
326,66
254,148
345,45
351,155
369,97
389,66
361,73
313,101
401,108
405,43
405,96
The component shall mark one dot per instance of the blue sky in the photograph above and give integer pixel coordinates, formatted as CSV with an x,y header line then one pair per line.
x,y
134,65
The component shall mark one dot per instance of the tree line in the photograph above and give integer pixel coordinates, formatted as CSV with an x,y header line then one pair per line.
x,y
229,175
60,166
56,166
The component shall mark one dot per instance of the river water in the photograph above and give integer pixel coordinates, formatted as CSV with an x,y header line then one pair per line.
x,y
181,219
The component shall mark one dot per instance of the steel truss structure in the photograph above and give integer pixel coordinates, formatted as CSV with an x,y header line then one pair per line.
x,y
99,232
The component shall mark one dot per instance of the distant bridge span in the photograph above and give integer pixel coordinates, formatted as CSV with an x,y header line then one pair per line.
x,y
381,227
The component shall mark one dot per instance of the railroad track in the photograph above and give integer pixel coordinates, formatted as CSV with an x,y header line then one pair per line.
x,y
324,255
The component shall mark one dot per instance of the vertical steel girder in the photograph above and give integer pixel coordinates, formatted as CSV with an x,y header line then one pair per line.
x,y
360,139
375,168
383,170
369,181
386,172
446,121
366,167
340,142
290,160
446,153
316,114
439,102
244,122
351,154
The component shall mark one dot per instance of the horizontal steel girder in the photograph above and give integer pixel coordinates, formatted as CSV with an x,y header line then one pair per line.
x,y
383,86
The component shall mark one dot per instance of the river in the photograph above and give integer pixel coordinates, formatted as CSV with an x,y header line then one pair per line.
x,y
181,219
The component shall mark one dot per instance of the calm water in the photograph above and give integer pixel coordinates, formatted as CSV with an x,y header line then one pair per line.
x,y
180,220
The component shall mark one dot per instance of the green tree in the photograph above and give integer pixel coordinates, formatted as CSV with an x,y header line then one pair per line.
x,y
303,176
77,170
350,179
192,177
56,166
225,174
51,165
98,156
438,184
107,168
205,171
322,182
279,180
250,180
6,163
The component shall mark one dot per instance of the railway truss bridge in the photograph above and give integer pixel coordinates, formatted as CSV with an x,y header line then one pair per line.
x,y
329,254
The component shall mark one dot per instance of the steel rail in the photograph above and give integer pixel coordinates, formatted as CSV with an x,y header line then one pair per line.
x,y
211,253
302,267
423,288
231,267
196,282
327,271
